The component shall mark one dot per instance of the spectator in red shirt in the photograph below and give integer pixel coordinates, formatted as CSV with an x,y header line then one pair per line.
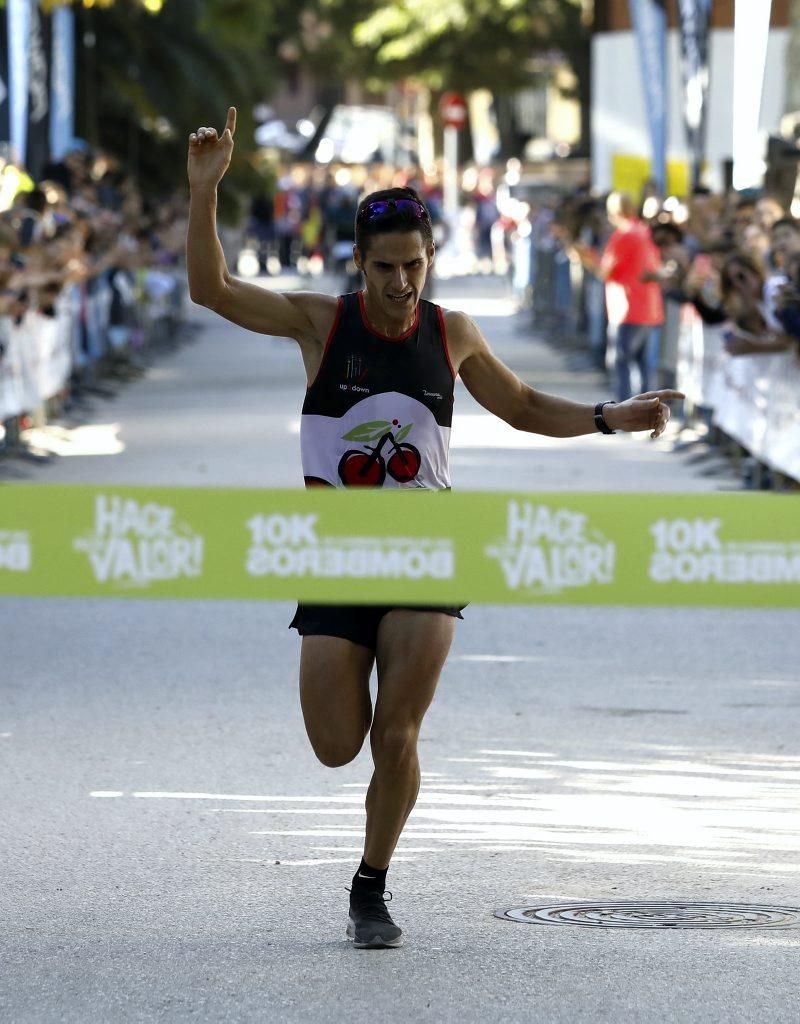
x,y
630,267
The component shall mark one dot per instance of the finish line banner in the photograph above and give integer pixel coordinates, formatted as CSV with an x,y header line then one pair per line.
x,y
372,547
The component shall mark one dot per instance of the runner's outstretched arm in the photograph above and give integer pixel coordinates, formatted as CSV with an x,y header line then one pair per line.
x,y
496,388
304,316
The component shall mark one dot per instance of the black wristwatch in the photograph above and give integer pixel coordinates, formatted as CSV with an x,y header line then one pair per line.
x,y
600,420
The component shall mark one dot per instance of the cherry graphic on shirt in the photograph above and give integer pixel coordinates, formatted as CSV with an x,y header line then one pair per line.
x,y
359,469
404,463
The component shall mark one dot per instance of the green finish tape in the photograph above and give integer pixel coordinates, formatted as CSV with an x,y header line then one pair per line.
x,y
373,547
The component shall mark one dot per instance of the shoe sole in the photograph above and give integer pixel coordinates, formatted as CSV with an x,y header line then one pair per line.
x,y
374,943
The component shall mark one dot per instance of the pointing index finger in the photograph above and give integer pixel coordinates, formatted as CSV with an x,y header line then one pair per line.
x,y
665,395
230,123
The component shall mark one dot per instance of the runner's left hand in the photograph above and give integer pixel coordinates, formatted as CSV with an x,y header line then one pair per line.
x,y
647,411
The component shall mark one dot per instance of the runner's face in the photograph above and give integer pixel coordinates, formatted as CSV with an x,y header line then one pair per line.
x,y
395,267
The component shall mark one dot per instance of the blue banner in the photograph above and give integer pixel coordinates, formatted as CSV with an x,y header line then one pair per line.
x,y
62,83
5,128
649,19
19,29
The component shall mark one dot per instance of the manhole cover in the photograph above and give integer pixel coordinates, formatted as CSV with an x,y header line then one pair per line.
x,y
656,915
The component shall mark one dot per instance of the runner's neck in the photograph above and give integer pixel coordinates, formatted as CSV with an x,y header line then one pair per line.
x,y
379,323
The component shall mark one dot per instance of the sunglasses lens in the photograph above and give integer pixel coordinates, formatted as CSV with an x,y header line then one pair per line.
x,y
383,206
412,206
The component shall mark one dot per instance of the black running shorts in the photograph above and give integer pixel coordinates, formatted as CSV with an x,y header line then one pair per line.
x,y
355,622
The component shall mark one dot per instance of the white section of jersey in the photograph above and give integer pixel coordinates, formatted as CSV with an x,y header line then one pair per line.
x,y
323,445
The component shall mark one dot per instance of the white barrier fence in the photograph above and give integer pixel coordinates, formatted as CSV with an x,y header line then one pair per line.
x,y
754,399
39,354
37,360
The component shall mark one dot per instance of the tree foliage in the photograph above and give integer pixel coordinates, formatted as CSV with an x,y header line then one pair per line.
x,y
149,79
145,82
462,44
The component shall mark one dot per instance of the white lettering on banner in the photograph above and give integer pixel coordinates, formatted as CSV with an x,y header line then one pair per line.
x,y
549,549
15,550
137,544
288,546
691,551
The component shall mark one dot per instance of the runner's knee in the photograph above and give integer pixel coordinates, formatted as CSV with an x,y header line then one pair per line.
x,y
334,752
394,746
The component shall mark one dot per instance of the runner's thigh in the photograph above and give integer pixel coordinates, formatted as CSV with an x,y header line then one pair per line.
x,y
412,648
334,696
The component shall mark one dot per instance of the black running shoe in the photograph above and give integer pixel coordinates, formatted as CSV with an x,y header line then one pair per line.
x,y
370,926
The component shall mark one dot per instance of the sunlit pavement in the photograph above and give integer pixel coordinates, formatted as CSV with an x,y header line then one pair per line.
x,y
171,850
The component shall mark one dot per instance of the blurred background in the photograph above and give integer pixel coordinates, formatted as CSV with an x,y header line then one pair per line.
x,y
514,121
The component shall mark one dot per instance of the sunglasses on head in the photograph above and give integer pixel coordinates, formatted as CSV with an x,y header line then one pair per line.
x,y
380,207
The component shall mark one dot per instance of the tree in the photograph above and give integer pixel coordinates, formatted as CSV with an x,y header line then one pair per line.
x,y
144,81
460,44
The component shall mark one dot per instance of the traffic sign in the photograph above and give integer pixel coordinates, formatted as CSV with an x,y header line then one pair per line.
x,y
453,109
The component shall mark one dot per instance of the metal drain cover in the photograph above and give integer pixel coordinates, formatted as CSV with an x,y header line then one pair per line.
x,y
646,914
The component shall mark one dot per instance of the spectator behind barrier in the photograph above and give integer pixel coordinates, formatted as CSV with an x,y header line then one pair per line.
x,y
755,329
69,250
784,286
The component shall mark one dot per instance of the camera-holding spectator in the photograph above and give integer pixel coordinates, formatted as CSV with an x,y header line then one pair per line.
x,y
782,289
755,329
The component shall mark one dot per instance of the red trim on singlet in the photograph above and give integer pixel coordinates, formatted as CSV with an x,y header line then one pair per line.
x,y
336,319
385,337
443,329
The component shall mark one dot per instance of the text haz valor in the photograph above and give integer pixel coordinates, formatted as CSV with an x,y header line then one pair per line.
x,y
136,544
551,550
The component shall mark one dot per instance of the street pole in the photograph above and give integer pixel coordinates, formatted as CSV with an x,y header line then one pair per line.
x,y
450,176
453,110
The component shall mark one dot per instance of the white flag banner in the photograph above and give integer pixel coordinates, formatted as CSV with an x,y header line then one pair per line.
x,y
750,36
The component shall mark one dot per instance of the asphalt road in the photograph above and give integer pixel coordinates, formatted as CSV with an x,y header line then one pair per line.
x,y
170,850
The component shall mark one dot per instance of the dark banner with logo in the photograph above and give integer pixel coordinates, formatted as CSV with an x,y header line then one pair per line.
x,y
38,147
694,21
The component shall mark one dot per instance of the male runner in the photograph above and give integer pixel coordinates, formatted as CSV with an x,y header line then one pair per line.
x,y
381,355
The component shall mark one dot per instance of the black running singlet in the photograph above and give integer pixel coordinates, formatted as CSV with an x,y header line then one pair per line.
x,y
379,411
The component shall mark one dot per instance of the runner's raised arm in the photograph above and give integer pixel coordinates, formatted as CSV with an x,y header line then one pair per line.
x,y
304,316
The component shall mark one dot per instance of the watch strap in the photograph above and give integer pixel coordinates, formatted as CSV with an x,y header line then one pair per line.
x,y
600,420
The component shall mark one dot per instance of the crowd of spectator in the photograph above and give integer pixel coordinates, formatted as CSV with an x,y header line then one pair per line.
x,y
85,247
306,222
735,258
621,274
